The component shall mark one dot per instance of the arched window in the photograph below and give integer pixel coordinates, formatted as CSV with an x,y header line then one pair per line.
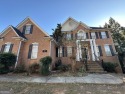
x,y
81,35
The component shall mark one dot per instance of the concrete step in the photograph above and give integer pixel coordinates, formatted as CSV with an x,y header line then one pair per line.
x,y
96,71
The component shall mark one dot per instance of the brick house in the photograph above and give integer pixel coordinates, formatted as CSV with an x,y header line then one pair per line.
x,y
96,40
28,41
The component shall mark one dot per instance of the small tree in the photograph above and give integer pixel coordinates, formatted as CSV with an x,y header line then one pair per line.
x,y
45,63
58,36
7,60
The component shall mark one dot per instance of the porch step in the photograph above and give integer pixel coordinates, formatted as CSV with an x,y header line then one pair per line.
x,y
94,67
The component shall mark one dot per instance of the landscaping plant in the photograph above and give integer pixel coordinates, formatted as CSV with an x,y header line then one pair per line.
x,y
7,60
44,65
109,67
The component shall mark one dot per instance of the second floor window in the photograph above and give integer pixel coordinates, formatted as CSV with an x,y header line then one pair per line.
x,y
103,34
68,36
28,28
93,35
81,35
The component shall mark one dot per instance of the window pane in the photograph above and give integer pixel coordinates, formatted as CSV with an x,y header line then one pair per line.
x,y
60,52
34,51
27,31
93,35
81,35
103,35
68,36
107,50
7,48
69,51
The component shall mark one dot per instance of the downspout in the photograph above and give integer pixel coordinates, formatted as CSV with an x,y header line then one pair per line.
x,y
18,53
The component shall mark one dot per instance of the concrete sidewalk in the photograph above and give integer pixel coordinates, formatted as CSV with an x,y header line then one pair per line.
x,y
90,78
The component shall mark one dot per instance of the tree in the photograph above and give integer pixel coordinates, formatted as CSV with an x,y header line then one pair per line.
x,y
58,35
117,34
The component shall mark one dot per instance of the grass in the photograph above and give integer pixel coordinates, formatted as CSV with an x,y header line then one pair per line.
x,y
34,88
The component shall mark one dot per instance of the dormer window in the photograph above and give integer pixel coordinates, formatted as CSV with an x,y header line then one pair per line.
x,y
27,30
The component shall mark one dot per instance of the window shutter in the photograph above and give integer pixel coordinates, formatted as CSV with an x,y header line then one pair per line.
x,y
56,51
76,35
63,52
72,36
31,29
24,28
111,49
11,47
100,50
30,51
96,33
107,34
100,35
87,36
90,36
2,48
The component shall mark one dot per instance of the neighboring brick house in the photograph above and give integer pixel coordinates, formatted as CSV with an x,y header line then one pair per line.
x,y
97,40
28,41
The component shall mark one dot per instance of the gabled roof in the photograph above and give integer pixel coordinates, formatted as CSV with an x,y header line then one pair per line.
x,y
28,18
17,32
83,24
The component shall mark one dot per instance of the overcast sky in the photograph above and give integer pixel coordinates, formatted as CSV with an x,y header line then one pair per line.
x,y
47,13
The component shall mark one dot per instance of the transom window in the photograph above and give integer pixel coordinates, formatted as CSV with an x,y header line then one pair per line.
x,y
103,34
93,35
7,48
34,51
81,35
28,28
107,50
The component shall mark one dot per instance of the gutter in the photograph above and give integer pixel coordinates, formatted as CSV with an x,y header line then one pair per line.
x,y
18,54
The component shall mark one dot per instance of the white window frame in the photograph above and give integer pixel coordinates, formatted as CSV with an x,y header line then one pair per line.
x,y
103,34
6,50
93,35
81,34
34,53
68,36
28,28
60,52
69,51
109,51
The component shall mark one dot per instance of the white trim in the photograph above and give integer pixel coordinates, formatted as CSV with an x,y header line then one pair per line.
x,y
18,54
8,43
4,32
21,23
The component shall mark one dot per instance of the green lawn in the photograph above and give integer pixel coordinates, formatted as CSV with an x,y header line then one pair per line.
x,y
34,88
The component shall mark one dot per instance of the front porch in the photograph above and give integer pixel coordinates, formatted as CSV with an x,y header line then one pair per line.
x,y
86,47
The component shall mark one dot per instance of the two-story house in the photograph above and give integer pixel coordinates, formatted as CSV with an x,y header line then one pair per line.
x,y
96,40
28,41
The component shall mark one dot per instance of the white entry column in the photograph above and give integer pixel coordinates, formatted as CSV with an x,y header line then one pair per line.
x,y
92,50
